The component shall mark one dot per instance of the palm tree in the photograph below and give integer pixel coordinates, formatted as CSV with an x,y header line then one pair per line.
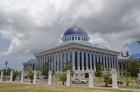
x,y
45,69
107,78
15,75
31,75
62,76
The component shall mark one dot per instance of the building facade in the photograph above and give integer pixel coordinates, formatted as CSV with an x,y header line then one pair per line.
x,y
29,65
77,49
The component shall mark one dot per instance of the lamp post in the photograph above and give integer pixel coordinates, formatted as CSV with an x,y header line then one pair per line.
x,y
6,63
126,55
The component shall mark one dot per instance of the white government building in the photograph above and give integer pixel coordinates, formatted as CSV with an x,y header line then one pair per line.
x,y
77,49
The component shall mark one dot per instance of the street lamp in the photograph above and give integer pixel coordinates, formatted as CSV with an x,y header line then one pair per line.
x,y
126,56
6,63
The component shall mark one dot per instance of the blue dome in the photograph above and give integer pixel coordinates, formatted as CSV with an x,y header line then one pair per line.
x,y
75,30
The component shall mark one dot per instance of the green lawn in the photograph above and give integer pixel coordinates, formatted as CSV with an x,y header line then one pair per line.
x,y
46,88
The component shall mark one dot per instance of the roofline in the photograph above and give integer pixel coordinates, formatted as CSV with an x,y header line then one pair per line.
x,y
73,45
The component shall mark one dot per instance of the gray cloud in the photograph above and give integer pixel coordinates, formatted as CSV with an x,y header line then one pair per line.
x,y
33,25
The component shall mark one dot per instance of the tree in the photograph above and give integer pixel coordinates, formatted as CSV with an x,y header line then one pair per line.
x,y
99,70
62,76
67,66
31,75
15,75
107,78
45,69
133,68
6,72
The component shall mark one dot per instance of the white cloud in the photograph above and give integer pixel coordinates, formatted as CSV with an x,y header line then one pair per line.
x,y
33,25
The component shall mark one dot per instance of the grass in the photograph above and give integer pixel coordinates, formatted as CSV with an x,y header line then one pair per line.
x,y
45,88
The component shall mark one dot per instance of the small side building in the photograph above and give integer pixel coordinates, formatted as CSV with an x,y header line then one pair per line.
x,y
29,65
123,62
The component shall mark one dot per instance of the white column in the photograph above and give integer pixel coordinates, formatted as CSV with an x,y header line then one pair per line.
x,y
22,76
78,60
112,62
54,62
69,55
65,57
11,76
73,60
114,79
50,78
57,61
107,62
68,78
1,76
116,62
35,74
91,61
61,60
138,78
104,63
91,74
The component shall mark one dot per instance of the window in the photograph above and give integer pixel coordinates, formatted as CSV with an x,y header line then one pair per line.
x,y
78,38
84,61
88,60
75,60
72,38
80,61
92,61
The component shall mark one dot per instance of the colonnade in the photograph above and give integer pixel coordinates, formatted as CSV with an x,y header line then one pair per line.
x,y
80,60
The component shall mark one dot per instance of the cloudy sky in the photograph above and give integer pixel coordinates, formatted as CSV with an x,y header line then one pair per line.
x,y
27,26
